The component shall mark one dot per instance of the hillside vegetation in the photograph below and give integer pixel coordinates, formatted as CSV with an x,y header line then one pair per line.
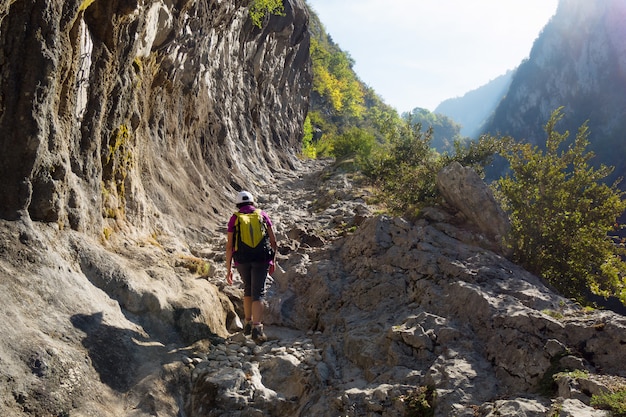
x,y
346,117
560,205
561,211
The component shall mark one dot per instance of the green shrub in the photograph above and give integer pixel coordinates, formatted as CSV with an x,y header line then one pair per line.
x,y
420,402
561,212
476,154
355,142
194,265
308,148
404,169
613,401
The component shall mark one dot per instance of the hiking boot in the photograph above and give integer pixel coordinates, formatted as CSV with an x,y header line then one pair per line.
x,y
247,328
258,335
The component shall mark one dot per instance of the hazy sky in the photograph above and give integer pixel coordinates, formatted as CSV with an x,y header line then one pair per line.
x,y
417,53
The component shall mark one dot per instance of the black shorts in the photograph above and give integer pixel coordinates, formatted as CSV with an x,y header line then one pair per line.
x,y
253,275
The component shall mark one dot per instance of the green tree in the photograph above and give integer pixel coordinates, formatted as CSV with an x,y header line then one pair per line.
x,y
335,80
261,8
445,131
308,149
561,212
340,102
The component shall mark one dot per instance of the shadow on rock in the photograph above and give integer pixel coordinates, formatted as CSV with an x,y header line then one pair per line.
x,y
191,327
115,353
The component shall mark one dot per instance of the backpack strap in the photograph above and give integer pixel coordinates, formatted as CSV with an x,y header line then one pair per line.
x,y
259,212
237,234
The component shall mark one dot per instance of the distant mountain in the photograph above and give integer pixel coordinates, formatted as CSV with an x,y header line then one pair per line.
x,y
475,107
579,62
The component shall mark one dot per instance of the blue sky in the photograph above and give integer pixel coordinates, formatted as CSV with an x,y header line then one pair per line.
x,y
417,53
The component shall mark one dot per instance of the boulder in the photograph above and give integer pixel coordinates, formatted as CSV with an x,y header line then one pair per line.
x,y
463,189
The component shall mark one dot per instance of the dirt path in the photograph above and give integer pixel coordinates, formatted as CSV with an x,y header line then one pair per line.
x,y
310,208
293,203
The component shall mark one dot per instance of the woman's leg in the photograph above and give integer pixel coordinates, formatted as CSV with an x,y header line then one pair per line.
x,y
259,274
245,271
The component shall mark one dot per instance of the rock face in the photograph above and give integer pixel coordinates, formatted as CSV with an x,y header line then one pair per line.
x,y
579,62
119,119
111,110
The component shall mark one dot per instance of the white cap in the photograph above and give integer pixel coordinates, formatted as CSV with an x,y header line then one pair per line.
x,y
244,197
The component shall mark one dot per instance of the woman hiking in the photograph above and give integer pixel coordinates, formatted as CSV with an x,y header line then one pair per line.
x,y
251,244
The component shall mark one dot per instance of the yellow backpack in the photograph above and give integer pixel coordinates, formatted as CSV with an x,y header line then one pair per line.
x,y
251,239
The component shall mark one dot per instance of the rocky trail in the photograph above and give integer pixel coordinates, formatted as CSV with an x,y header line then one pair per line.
x,y
240,377
366,315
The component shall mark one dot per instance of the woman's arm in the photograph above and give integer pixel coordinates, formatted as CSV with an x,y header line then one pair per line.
x,y
272,236
274,246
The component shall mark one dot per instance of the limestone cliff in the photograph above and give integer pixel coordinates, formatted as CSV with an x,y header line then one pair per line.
x,y
111,110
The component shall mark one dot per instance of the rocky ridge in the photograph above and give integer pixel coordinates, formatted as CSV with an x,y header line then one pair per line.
x,y
580,46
